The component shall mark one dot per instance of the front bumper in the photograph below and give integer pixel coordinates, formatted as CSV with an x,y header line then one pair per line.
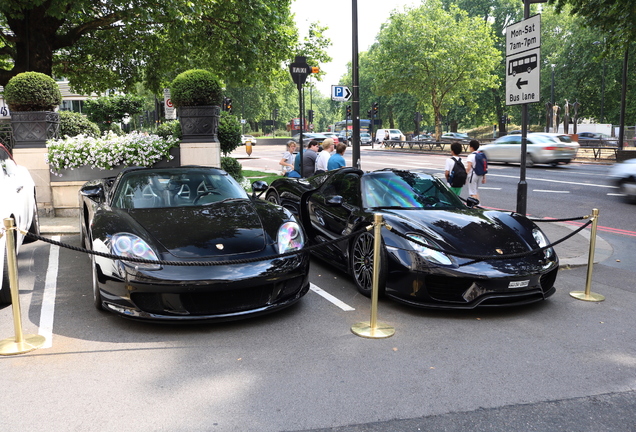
x,y
216,293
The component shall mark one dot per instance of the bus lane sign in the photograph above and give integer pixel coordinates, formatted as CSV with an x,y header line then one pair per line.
x,y
523,77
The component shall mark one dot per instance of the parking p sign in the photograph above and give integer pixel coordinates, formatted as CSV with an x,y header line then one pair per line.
x,y
340,93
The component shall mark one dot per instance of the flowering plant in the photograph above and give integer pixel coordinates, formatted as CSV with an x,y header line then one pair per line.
x,y
108,151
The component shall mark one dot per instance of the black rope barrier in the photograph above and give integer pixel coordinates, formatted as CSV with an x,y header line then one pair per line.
x,y
477,258
561,220
189,263
473,258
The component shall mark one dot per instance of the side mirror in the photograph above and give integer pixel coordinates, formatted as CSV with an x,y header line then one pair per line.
x,y
334,201
472,202
259,186
94,191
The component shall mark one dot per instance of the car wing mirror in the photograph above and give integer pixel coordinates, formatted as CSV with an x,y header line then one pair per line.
x,y
472,202
334,201
95,191
259,186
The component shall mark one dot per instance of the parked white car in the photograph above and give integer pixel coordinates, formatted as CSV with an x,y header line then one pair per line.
x,y
246,138
17,201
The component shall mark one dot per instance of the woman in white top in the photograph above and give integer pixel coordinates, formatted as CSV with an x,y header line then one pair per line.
x,y
323,156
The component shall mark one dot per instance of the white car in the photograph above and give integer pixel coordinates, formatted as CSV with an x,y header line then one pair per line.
x,y
623,175
17,201
246,138
541,149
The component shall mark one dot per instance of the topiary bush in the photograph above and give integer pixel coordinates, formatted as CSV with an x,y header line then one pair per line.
x,y
73,124
108,110
196,87
229,132
32,91
170,128
232,167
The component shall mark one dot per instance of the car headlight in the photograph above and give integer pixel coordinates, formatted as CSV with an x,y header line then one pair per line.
x,y
129,245
542,241
290,237
429,254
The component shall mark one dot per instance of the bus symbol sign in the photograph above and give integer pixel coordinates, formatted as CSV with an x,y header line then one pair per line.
x,y
523,77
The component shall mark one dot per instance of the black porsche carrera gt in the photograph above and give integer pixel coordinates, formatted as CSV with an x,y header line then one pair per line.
x,y
195,215
420,207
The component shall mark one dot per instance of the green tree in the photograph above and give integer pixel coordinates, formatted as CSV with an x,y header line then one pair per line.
x,y
106,44
443,57
106,110
229,132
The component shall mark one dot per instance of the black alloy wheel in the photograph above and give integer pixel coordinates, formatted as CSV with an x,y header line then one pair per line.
x,y
362,265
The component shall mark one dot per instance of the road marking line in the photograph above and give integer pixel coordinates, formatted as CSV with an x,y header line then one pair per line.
x,y
489,188
342,305
616,194
550,191
48,298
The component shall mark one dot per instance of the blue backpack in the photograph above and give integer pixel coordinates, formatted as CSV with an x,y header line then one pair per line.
x,y
481,163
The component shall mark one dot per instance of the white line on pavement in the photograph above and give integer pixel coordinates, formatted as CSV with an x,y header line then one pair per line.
x,y
550,191
342,305
48,298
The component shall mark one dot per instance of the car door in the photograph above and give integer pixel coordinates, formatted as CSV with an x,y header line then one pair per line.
x,y
507,149
331,211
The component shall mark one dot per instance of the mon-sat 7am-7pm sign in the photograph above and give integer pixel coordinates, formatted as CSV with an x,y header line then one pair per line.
x,y
523,61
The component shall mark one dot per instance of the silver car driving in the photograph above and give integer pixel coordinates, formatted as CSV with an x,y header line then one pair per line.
x,y
541,149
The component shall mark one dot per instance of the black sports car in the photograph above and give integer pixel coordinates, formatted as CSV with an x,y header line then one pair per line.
x,y
193,214
421,207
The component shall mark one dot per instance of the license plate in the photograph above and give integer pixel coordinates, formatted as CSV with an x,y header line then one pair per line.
x,y
519,284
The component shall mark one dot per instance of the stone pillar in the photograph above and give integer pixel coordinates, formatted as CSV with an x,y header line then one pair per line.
x,y
34,160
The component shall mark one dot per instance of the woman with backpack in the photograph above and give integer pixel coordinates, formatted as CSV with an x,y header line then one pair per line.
x,y
476,168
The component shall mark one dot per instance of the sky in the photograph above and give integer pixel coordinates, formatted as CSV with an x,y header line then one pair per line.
x,y
336,14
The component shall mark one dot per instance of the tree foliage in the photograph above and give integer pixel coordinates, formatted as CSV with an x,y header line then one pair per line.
x,y
439,57
107,110
105,44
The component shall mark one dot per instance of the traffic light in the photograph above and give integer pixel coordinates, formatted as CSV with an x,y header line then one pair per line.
x,y
310,116
227,104
348,111
370,113
375,108
275,113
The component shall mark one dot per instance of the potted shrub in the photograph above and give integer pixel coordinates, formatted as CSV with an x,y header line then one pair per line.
x,y
197,95
32,98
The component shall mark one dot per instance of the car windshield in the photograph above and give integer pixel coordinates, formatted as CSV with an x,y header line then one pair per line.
x,y
175,188
407,190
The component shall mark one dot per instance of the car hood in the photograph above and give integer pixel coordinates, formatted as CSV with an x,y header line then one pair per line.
x,y
225,228
473,232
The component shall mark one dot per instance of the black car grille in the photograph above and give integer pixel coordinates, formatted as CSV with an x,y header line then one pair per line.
x,y
547,280
218,300
447,288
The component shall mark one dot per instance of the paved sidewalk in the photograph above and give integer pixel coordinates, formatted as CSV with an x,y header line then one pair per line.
x,y
572,252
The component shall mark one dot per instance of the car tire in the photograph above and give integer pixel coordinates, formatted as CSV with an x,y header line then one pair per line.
x,y
625,187
529,160
97,296
362,265
34,228
272,197
5,292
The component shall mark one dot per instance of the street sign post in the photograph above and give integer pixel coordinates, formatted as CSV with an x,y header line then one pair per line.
x,y
340,93
169,108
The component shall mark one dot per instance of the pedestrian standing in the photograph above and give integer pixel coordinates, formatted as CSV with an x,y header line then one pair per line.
x,y
337,160
309,158
476,168
287,162
323,157
454,170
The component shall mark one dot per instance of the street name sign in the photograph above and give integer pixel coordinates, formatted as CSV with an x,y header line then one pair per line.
x,y
523,61
340,93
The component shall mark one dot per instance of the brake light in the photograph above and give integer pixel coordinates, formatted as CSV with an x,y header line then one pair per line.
x,y
550,148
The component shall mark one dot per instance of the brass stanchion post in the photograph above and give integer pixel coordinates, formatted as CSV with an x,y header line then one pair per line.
x,y
372,329
587,295
20,344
